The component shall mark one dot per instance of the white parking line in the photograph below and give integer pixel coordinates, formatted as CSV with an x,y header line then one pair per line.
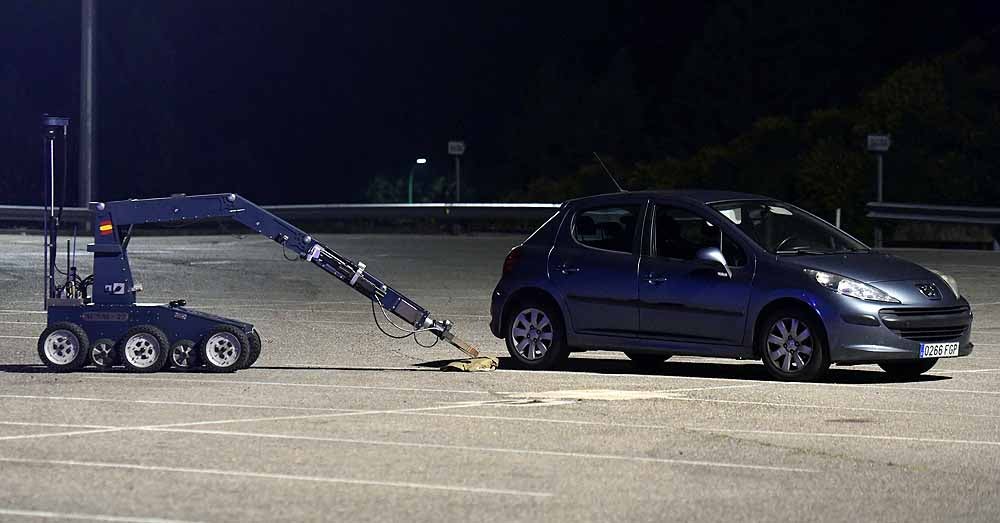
x,y
178,428
527,452
46,514
10,311
720,387
22,322
241,420
282,477
287,384
760,382
58,434
973,370
848,436
323,366
837,407
311,416
178,403
59,425
19,337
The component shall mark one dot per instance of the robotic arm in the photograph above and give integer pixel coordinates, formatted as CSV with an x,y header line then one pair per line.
x,y
113,282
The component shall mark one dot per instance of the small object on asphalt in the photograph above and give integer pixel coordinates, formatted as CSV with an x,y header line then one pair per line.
x,y
485,364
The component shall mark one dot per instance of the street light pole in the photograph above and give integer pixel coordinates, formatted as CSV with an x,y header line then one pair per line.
x,y
88,101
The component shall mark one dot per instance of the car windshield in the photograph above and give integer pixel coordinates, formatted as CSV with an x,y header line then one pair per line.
x,y
786,230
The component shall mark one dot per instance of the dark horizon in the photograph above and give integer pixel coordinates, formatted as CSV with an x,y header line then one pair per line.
x,y
307,103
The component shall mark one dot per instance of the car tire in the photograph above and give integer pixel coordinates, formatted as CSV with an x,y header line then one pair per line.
x,y
792,345
907,368
645,361
535,336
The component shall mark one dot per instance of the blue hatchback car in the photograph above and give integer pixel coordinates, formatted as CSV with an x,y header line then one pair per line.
x,y
720,274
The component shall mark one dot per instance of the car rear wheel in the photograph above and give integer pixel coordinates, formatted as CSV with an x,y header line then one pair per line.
x,y
535,336
792,346
907,369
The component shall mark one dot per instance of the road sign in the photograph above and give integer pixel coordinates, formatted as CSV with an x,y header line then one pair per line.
x,y
879,143
456,148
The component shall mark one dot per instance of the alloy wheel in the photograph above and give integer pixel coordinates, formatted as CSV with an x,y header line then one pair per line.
x,y
532,334
790,345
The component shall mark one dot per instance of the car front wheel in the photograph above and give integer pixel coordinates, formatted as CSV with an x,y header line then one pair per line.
x,y
791,345
535,336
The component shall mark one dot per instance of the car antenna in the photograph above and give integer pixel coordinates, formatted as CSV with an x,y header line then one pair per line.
x,y
605,167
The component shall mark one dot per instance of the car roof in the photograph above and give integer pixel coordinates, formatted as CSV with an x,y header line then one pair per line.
x,y
696,195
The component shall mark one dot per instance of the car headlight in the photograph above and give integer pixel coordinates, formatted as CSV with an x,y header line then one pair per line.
x,y
849,287
952,282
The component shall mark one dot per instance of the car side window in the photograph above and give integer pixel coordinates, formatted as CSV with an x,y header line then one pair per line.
x,y
679,234
609,228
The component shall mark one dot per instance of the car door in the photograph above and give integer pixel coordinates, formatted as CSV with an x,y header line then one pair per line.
x,y
685,299
593,266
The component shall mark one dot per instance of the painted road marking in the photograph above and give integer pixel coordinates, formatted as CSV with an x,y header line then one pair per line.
x,y
848,436
47,514
287,384
528,452
59,425
178,403
271,476
615,394
238,420
761,382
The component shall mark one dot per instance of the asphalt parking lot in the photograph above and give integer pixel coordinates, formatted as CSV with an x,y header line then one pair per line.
x,y
338,423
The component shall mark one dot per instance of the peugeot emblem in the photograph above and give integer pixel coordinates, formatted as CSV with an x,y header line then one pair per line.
x,y
930,290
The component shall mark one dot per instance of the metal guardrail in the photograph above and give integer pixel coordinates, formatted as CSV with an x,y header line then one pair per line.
x,y
933,213
32,214
915,212
343,211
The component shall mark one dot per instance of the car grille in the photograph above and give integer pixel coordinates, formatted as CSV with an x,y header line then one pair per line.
x,y
928,324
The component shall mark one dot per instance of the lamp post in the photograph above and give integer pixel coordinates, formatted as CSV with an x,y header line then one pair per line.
x,y
409,192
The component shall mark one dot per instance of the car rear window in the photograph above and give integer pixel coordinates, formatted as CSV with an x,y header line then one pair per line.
x,y
607,228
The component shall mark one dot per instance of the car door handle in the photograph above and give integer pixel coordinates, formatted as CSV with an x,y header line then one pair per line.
x,y
654,279
566,269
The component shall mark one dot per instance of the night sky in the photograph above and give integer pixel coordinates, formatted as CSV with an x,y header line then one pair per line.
x,y
306,101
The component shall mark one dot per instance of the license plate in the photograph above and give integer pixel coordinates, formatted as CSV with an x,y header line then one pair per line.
x,y
939,350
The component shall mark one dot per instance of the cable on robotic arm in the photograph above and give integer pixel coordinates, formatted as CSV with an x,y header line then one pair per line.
x,y
408,332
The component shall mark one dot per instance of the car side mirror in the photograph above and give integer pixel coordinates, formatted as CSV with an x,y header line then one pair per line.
x,y
714,256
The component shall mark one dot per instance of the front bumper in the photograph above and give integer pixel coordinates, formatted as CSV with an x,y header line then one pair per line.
x,y
880,333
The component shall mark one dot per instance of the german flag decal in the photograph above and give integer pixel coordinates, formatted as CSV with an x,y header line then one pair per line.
x,y
106,228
